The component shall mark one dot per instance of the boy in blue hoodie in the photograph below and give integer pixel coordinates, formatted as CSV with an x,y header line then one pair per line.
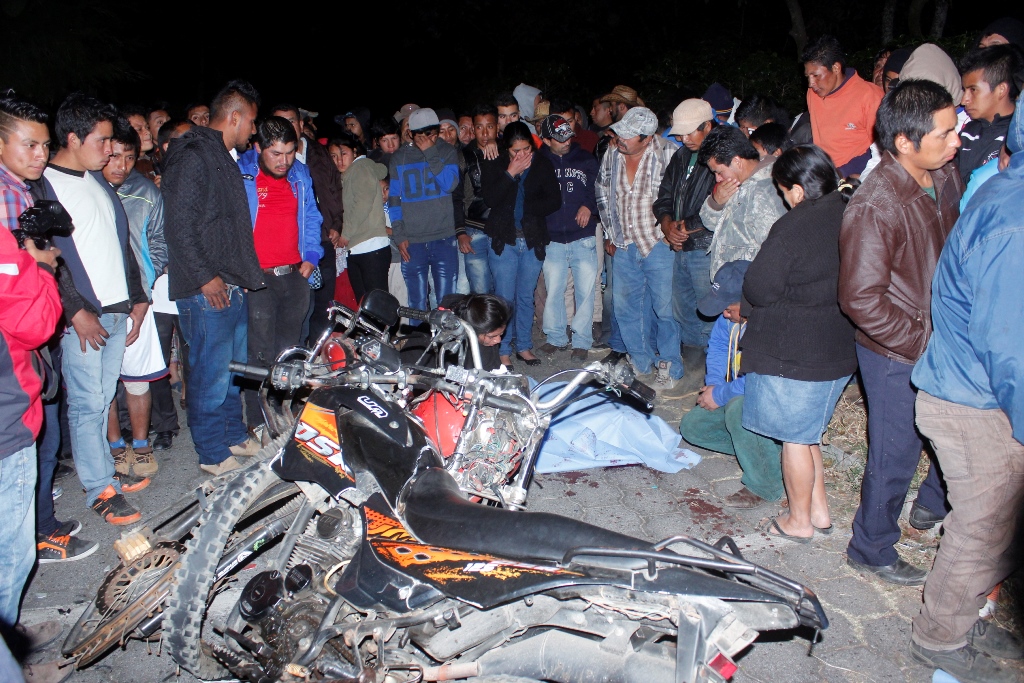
x,y
573,245
715,422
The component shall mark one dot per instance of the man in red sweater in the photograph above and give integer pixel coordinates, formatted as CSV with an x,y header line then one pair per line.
x,y
841,106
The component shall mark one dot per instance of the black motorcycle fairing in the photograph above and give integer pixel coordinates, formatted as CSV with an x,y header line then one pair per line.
x,y
368,583
376,438
438,513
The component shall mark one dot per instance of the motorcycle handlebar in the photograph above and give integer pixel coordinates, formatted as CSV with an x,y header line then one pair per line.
x,y
406,312
248,371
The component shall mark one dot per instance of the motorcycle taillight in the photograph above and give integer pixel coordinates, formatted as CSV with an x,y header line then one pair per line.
x,y
723,666
334,355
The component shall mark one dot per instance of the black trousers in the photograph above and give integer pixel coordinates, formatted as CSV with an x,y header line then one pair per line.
x,y
276,314
369,271
164,418
323,297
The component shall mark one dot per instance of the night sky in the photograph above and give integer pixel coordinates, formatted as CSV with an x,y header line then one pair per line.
x,y
329,57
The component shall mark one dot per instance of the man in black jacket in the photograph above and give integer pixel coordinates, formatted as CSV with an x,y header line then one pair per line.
x,y
684,188
212,262
990,89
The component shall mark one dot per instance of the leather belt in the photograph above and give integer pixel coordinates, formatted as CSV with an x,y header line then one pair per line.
x,y
282,270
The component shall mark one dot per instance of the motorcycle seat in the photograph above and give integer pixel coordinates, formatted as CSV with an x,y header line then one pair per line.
x,y
438,513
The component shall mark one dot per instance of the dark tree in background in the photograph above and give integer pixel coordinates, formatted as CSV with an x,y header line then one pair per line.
x,y
50,48
457,53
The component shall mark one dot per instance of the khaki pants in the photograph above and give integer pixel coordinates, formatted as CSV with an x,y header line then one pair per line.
x,y
983,466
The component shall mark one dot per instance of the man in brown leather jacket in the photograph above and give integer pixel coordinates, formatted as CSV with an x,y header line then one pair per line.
x,y
893,232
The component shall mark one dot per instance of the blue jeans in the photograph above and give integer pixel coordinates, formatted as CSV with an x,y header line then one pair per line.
x,y
581,258
91,381
642,284
474,273
894,452
441,258
691,282
215,338
17,528
516,273
609,326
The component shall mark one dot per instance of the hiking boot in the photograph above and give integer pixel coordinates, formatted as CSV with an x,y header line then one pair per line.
x,y
967,664
130,483
247,448
744,499
62,548
123,459
63,471
613,357
899,572
995,641
226,465
50,672
38,636
114,508
144,464
163,441
687,385
923,519
549,349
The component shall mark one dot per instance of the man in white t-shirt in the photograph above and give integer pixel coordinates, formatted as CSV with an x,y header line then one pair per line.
x,y
100,288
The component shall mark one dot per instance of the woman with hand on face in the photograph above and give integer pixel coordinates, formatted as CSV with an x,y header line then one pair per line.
x,y
365,228
521,189
798,349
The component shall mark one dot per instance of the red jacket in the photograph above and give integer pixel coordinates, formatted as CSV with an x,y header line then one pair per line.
x,y
29,311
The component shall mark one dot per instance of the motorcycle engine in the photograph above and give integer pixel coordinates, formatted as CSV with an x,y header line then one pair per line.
x,y
494,453
285,609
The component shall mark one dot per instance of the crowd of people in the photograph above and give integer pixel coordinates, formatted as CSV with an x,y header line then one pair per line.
x,y
726,251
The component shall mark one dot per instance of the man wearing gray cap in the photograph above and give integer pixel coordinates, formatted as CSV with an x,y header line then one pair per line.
x,y
423,177
683,190
627,185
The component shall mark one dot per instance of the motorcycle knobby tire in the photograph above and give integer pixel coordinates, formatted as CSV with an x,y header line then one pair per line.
x,y
185,607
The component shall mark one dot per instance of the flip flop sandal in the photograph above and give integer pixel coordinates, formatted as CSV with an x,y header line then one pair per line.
x,y
825,531
772,523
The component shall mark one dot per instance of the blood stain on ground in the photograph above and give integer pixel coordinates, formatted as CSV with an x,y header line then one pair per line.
x,y
573,477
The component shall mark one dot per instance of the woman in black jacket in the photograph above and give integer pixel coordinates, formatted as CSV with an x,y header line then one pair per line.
x,y
798,350
521,189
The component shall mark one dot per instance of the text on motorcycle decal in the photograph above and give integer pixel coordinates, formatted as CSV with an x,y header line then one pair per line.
x,y
321,444
373,407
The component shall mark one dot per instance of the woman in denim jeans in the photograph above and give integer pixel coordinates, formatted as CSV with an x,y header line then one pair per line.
x,y
798,350
521,189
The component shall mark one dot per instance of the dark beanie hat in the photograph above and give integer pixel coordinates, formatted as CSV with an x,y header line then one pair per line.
x,y
897,59
719,97
1008,27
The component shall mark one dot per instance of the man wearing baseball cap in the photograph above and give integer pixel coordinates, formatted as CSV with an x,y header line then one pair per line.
x,y
642,261
683,190
573,246
715,423
423,177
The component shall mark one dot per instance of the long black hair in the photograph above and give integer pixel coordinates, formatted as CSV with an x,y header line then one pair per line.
x,y
485,313
517,130
810,167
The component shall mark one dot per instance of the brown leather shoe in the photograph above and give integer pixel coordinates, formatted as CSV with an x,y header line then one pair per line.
x,y
744,499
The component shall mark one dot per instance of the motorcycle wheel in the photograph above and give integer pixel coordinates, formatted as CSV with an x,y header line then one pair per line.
x,y
185,607
129,595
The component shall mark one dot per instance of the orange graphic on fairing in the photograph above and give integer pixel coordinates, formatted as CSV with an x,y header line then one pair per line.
x,y
394,543
316,434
